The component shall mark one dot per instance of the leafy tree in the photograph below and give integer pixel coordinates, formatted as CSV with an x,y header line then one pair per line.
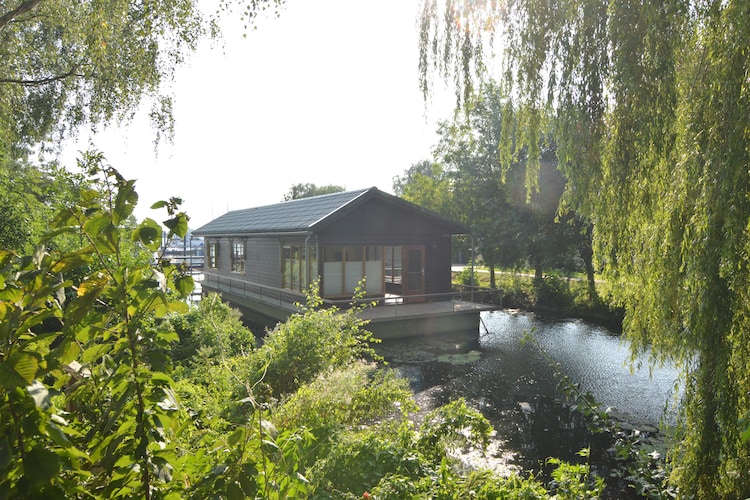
x,y
478,182
29,197
308,190
427,185
648,102
68,63
308,343
118,385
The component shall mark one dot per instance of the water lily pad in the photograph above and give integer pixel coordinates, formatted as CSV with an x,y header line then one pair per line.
x,y
460,358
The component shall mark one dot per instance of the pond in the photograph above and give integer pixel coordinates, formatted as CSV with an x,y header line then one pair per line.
x,y
514,384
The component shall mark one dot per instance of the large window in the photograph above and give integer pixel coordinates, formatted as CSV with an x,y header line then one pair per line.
x,y
297,267
238,256
213,248
345,266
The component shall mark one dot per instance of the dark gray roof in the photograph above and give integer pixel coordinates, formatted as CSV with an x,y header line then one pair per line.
x,y
302,215
294,215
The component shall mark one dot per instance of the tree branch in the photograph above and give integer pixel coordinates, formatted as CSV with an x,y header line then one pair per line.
x,y
23,8
43,81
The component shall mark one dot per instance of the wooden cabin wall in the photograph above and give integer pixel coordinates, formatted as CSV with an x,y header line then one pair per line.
x,y
262,260
383,224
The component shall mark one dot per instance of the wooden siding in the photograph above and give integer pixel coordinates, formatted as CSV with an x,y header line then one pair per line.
x,y
264,261
381,224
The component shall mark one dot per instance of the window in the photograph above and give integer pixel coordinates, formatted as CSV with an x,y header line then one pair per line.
x,y
393,265
238,257
297,266
344,267
213,247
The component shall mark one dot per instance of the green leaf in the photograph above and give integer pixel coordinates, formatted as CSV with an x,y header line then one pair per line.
x,y
184,285
125,201
168,336
236,436
6,453
40,465
159,204
24,364
746,435
178,224
9,377
97,224
68,352
247,480
234,492
71,261
96,351
148,233
57,435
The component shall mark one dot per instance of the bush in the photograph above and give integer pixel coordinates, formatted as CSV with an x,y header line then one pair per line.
x,y
553,293
214,328
354,395
308,343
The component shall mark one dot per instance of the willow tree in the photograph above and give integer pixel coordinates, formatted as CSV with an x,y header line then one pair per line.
x,y
650,106
67,63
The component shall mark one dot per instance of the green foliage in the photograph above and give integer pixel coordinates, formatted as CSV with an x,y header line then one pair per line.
x,y
451,426
308,190
29,197
89,407
211,329
361,460
467,276
553,293
124,404
345,398
67,64
308,343
648,105
572,481
478,180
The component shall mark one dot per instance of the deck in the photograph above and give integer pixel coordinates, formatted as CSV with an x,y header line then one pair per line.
x,y
392,317
396,320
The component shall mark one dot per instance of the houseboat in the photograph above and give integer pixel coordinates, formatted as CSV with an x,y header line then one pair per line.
x,y
263,259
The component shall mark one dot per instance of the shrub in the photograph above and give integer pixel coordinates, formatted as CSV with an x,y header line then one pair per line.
x,y
213,328
308,343
553,293
354,395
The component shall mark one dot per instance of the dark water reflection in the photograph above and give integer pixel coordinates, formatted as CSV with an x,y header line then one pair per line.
x,y
515,387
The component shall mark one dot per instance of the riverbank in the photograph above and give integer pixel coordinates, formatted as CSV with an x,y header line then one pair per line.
x,y
516,384
551,296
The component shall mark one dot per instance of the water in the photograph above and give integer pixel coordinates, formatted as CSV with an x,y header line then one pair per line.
x,y
515,386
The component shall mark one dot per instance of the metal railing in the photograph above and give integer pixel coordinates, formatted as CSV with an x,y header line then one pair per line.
x,y
237,286
287,299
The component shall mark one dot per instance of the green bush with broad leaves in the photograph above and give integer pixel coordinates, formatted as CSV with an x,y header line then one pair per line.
x,y
103,351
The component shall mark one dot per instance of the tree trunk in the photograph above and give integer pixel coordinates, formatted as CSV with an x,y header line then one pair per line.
x,y
587,255
491,265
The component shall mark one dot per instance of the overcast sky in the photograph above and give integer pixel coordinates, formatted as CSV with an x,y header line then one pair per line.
x,y
325,94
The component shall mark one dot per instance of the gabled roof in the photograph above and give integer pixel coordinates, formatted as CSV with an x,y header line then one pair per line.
x,y
305,214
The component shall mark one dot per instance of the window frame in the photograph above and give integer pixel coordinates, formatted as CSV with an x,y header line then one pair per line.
x,y
212,256
238,257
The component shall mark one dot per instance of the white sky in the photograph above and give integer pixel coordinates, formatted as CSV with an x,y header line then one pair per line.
x,y
325,94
